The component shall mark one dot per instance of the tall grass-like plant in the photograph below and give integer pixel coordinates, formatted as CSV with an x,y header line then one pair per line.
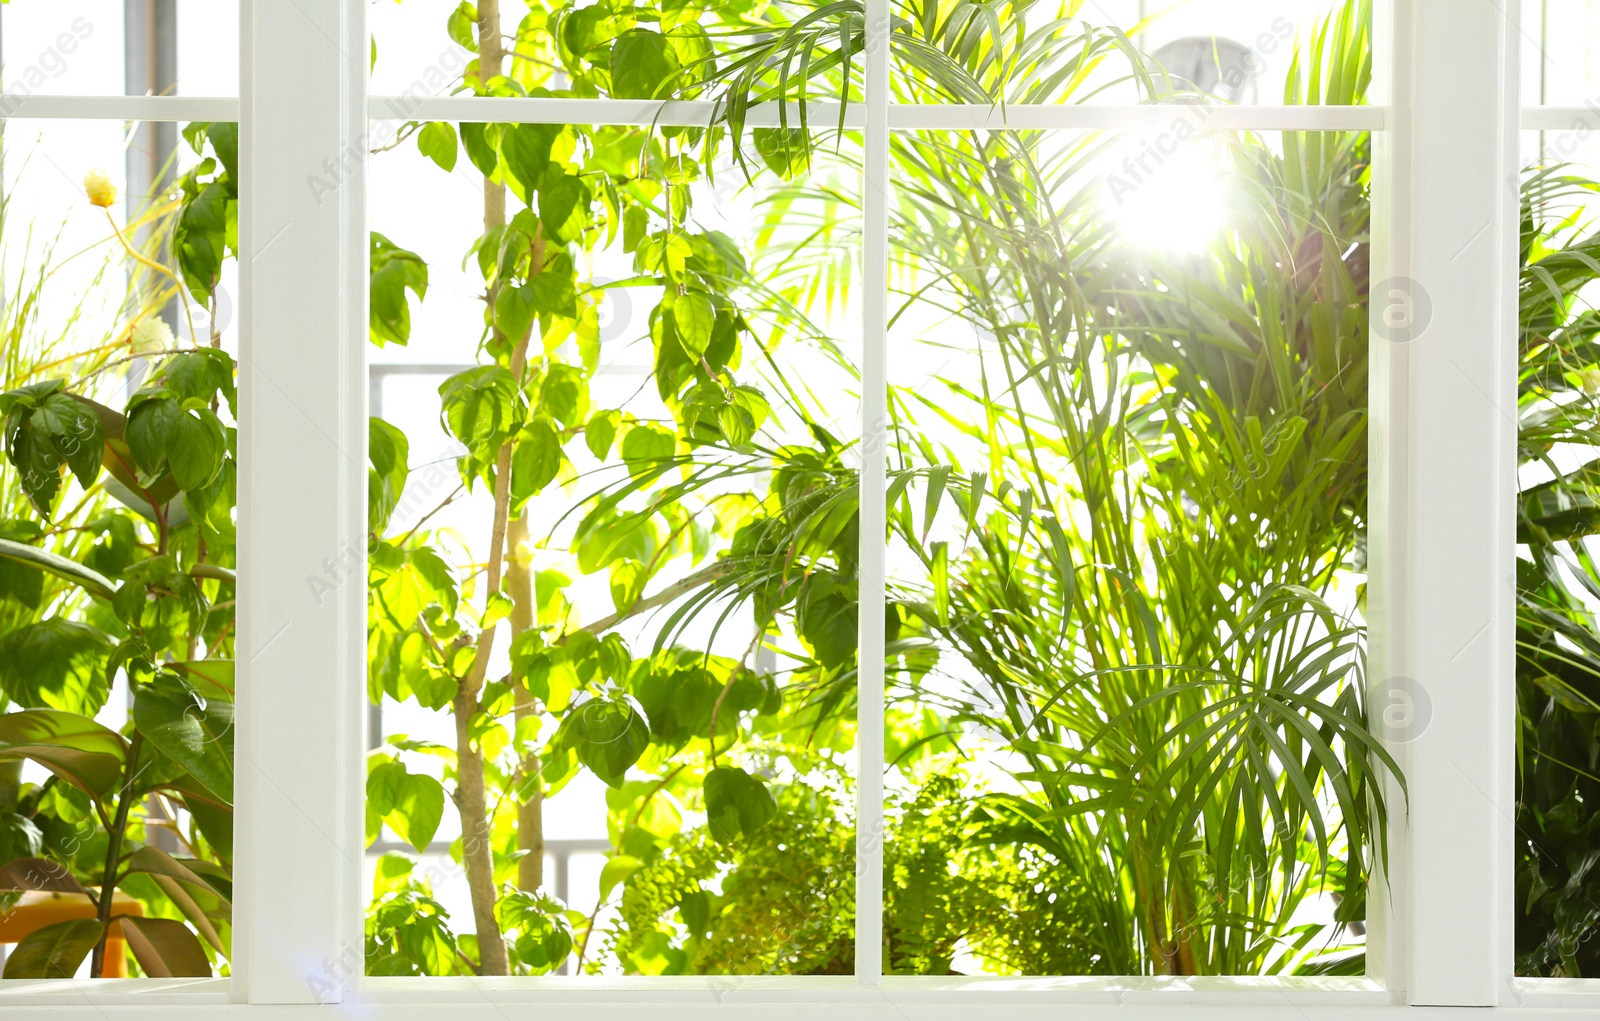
x,y
1130,518
1558,579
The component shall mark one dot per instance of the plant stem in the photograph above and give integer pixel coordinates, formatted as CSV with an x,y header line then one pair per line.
x,y
108,879
662,598
152,264
529,789
477,852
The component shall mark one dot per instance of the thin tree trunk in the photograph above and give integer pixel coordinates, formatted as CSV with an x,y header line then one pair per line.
x,y
530,791
477,852
519,580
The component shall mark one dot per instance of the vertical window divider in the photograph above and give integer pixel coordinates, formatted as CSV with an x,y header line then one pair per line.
x,y
874,460
301,490
1444,485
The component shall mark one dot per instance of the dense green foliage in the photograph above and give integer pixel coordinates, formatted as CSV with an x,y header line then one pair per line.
x,y
1127,721
1126,526
1558,635
129,575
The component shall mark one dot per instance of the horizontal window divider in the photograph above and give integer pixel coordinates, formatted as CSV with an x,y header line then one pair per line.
x,y
553,845
1561,118
57,993
902,117
15,106
964,991
1563,993
1128,117
557,110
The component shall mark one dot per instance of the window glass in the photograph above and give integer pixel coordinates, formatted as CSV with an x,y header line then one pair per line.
x,y
672,51
1126,727
1120,51
1558,901
1559,66
619,437
117,539
82,48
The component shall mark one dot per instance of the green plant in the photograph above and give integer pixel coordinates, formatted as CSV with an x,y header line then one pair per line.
x,y
153,591
1558,655
1129,523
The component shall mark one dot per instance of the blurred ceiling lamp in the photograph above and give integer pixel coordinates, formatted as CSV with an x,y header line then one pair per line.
x,y
1213,65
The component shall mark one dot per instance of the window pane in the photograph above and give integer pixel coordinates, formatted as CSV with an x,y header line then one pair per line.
x,y
424,48
117,562
1126,722
1115,51
1558,52
1558,636
666,715
186,47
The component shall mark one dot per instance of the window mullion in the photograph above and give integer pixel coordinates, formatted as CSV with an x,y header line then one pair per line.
x,y
1444,318
874,461
302,466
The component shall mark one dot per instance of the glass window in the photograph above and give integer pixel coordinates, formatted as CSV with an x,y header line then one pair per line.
x,y
117,555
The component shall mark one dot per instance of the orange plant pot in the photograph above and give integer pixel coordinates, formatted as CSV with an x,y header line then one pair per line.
x,y
37,909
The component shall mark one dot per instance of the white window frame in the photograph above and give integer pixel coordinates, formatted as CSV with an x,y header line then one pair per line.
x,y
1445,119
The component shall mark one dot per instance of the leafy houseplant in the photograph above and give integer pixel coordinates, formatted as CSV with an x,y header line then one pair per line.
x,y
154,591
1190,741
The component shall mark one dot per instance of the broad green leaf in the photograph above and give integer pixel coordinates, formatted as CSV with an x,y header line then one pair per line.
x,y
411,804
394,271
737,804
75,432
55,664
46,430
200,238
694,315
480,407
212,677
609,735
200,376
479,140
437,141
828,620
564,394
55,951
535,460
462,25
194,732
555,289
627,579
151,426
79,751
514,310
563,206
642,64
600,431
388,454
215,822
526,151
195,448
616,870
164,948
648,448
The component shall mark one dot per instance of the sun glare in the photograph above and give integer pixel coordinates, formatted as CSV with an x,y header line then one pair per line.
x,y
1169,194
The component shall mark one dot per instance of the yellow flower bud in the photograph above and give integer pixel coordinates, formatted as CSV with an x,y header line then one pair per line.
x,y
101,191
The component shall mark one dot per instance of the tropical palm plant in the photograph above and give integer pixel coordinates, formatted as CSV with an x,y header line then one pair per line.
x,y
1158,469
